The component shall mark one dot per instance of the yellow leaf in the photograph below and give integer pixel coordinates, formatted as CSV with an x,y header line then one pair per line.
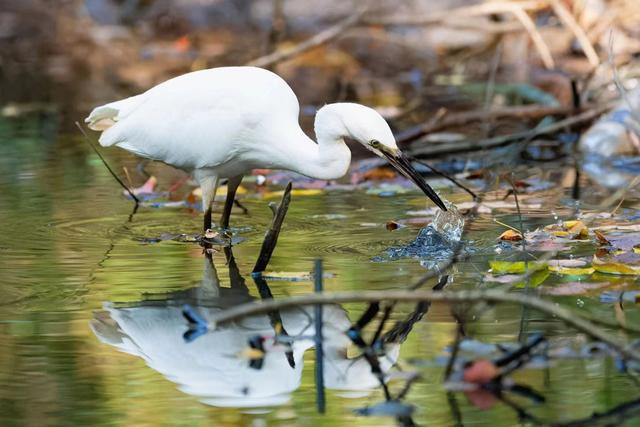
x,y
511,267
617,268
612,267
572,271
511,235
294,192
536,279
287,275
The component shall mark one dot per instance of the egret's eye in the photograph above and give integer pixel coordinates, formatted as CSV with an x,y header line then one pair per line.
x,y
374,143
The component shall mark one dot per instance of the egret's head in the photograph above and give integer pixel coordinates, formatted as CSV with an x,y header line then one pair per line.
x,y
369,128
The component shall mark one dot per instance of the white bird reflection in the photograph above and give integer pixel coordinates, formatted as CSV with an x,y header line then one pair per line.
x,y
210,368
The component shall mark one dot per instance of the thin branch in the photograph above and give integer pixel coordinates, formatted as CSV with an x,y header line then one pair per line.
x,y
319,39
582,324
462,118
504,140
104,162
271,237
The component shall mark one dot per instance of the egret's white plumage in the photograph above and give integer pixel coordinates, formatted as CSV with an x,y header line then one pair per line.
x,y
210,367
223,122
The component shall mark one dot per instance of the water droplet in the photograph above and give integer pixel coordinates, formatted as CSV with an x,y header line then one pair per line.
x,y
580,302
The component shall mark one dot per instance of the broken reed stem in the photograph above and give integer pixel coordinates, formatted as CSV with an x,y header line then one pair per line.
x,y
582,324
271,237
319,39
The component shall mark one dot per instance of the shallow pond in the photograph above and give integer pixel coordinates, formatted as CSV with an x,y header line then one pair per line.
x,y
91,331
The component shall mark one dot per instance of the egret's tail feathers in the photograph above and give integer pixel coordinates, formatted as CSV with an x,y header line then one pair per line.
x,y
102,118
106,116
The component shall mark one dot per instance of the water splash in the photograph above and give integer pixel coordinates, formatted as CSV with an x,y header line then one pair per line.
x,y
449,224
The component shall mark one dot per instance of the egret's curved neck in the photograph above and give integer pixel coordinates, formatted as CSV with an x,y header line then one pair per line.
x,y
330,157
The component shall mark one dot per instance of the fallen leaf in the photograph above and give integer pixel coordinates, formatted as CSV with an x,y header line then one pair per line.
x,y
500,267
480,371
481,399
575,230
572,271
511,235
146,188
294,192
377,174
292,276
627,263
574,262
574,288
392,225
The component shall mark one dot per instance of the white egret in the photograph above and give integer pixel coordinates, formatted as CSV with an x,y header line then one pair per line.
x,y
224,122
210,368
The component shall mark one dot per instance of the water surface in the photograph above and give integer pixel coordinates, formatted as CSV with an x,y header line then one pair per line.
x,y
85,298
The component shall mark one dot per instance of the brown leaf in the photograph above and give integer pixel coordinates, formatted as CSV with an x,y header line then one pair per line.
x,y
511,235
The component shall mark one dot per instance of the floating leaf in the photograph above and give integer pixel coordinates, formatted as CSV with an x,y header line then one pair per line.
x,y
574,288
520,280
574,229
500,267
288,276
392,225
294,192
480,371
511,235
572,271
627,263
146,188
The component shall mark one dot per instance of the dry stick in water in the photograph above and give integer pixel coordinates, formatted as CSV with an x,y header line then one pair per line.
x,y
106,165
271,237
580,323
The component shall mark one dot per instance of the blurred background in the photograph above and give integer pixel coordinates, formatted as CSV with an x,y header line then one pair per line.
x,y
406,58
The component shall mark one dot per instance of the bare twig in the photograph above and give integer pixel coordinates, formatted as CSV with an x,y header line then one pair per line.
x,y
504,140
319,39
106,165
271,237
462,118
580,323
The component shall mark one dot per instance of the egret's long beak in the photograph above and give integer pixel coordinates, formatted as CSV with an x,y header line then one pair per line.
x,y
399,161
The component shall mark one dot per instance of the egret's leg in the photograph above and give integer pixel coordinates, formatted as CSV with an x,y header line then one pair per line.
x,y
209,186
232,187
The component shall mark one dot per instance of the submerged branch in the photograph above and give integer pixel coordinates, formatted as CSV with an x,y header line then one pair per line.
x,y
582,324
